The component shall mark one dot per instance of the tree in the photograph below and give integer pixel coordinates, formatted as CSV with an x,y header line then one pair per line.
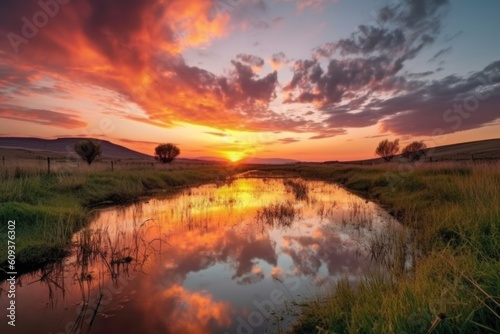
x,y
387,149
88,149
414,151
166,153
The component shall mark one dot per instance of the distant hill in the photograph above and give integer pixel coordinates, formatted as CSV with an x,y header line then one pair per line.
x,y
208,158
481,149
65,145
267,161
252,161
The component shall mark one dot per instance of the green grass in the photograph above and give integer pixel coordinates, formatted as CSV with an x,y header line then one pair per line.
x,y
49,209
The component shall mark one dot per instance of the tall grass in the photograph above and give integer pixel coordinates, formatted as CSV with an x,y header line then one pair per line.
x,y
50,208
453,213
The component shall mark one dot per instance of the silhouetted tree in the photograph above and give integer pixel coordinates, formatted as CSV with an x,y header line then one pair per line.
x,y
387,149
166,153
414,151
88,149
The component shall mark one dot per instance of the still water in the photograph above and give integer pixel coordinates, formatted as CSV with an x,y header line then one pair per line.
x,y
232,258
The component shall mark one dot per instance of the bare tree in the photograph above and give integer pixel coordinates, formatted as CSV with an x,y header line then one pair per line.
x,y
387,149
88,150
166,153
414,151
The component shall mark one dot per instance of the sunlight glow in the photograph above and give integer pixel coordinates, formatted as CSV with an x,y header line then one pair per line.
x,y
234,156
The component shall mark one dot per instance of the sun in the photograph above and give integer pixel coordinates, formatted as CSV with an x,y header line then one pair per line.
x,y
234,156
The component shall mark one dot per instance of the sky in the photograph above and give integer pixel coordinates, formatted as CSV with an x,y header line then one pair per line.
x,y
311,80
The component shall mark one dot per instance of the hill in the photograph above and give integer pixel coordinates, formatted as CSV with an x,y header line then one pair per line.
x,y
267,161
65,145
477,150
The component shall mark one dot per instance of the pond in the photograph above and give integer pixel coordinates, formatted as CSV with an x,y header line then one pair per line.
x,y
229,258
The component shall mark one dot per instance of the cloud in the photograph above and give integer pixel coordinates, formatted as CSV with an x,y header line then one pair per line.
x,y
441,53
311,83
420,74
287,140
132,141
381,49
254,61
278,60
217,134
451,104
137,55
345,79
314,4
328,135
40,116
369,39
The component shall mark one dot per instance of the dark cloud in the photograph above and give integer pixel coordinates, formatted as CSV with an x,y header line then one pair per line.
x,y
379,51
313,84
400,29
441,53
328,133
218,134
369,39
288,140
41,116
369,63
248,85
451,104
420,74
278,59
250,60
450,38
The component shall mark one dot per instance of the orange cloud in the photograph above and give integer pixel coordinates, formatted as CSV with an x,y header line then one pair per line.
x,y
199,313
41,116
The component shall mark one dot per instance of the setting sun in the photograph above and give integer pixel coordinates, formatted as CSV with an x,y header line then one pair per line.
x,y
234,156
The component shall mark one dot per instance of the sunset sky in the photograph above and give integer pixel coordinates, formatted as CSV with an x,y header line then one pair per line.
x,y
310,80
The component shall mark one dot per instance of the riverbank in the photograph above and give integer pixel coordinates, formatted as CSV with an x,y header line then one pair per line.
x,y
49,209
453,212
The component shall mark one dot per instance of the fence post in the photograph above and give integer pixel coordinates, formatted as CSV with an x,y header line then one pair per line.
x,y
3,160
48,165
112,167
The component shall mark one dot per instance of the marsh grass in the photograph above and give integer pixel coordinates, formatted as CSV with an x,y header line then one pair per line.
x,y
282,214
298,188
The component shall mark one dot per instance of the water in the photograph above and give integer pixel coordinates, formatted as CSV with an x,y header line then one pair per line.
x,y
236,258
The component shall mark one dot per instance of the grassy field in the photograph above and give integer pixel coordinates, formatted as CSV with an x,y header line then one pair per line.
x,y
453,214
451,210
49,208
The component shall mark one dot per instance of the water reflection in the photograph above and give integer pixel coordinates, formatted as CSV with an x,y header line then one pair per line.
x,y
214,259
